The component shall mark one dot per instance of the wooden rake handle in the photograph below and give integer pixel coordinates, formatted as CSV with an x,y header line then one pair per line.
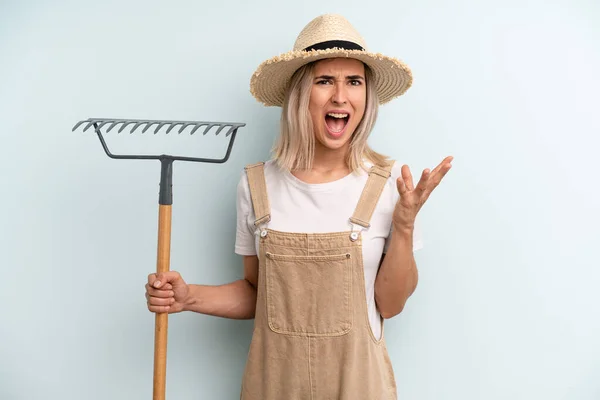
x,y
162,319
163,261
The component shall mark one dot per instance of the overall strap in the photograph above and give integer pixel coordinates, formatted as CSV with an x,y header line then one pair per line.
x,y
258,192
378,176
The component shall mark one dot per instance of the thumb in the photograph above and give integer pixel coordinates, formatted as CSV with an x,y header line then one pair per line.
x,y
164,279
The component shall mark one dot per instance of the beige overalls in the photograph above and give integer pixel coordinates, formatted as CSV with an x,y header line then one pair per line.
x,y
312,339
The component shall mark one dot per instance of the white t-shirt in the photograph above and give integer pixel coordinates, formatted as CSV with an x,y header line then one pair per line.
x,y
301,207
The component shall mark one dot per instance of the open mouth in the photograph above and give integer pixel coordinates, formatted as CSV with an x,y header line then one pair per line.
x,y
336,123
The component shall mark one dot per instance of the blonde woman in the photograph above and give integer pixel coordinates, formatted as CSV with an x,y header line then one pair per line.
x,y
327,228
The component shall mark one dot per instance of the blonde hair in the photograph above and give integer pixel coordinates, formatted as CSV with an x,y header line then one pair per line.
x,y
294,148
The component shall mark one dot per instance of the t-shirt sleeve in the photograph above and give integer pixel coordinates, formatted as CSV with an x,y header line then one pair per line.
x,y
244,237
417,234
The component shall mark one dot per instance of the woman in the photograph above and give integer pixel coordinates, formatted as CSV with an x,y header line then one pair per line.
x,y
326,228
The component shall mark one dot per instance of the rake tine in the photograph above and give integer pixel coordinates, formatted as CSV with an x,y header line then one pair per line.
x,y
138,125
92,122
196,127
230,130
103,123
173,126
208,128
149,125
219,130
160,126
78,124
115,123
124,125
185,126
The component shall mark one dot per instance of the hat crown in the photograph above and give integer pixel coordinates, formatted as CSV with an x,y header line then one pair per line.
x,y
325,28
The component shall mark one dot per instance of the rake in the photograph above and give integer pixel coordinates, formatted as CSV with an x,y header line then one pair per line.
x,y
165,200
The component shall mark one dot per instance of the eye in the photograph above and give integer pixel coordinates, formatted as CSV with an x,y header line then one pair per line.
x,y
324,81
356,82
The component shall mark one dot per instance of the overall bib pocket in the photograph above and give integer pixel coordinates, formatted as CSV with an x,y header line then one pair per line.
x,y
309,295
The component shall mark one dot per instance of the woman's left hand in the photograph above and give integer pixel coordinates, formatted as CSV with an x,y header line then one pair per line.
x,y
412,198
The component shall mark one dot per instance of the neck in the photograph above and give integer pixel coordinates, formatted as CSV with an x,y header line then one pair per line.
x,y
326,159
328,165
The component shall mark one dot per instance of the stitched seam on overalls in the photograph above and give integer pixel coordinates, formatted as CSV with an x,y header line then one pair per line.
x,y
310,380
322,235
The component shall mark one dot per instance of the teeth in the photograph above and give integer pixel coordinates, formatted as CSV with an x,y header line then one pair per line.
x,y
335,115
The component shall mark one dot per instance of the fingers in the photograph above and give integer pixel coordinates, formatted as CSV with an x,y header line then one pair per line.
x,y
440,171
407,176
429,179
164,280
445,163
435,178
423,182
159,291
405,183
401,186
159,300
159,309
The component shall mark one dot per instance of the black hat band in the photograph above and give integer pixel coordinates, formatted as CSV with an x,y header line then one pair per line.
x,y
330,44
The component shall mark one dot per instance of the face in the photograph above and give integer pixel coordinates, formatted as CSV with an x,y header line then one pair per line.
x,y
337,101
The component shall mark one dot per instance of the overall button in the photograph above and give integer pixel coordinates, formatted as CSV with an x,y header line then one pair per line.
x,y
354,236
263,233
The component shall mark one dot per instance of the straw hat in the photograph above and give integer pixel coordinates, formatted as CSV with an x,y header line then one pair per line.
x,y
328,36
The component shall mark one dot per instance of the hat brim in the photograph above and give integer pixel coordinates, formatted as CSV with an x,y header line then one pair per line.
x,y
269,83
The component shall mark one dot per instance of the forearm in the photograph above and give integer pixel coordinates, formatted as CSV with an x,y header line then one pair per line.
x,y
235,300
397,277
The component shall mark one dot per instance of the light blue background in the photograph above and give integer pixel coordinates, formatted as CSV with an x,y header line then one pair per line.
x,y
508,303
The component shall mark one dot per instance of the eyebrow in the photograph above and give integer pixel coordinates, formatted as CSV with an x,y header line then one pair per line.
x,y
349,77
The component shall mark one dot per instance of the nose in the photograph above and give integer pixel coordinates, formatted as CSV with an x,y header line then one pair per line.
x,y
339,94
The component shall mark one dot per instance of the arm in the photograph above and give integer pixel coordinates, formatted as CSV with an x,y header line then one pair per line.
x,y
168,292
398,276
236,300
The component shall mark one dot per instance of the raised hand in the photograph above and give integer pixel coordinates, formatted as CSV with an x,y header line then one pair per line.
x,y
412,198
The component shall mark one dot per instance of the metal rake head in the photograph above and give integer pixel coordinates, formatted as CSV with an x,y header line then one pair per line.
x,y
99,123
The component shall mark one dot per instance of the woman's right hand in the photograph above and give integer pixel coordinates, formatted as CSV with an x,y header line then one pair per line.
x,y
166,292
